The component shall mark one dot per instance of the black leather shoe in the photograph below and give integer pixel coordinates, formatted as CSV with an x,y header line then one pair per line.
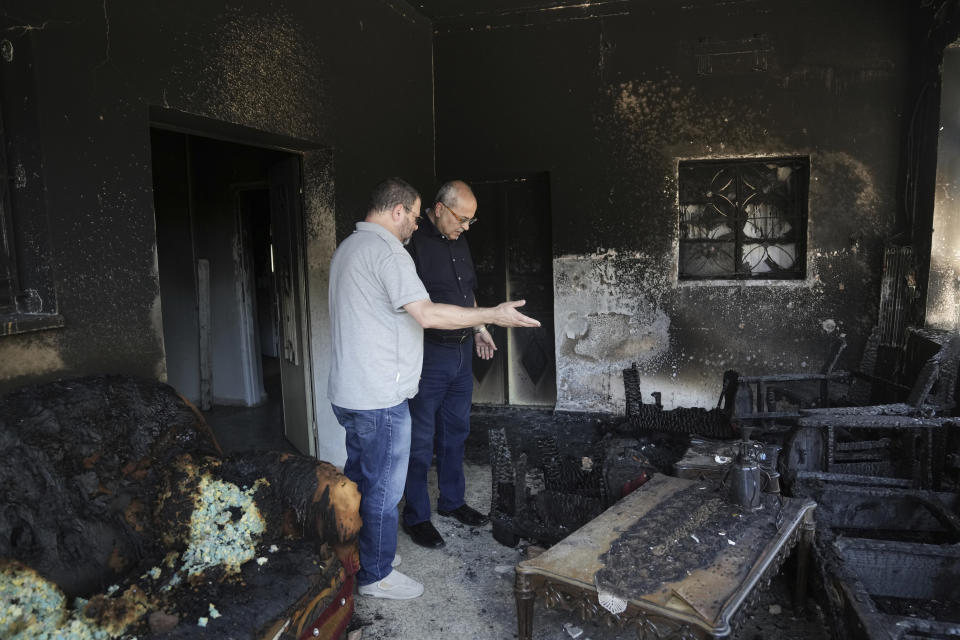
x,y
424,534
467,515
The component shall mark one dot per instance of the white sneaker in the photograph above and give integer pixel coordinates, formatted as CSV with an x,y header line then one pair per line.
x,y
395,586
396,561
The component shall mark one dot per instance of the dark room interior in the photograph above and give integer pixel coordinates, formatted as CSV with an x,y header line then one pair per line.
x,y
737,222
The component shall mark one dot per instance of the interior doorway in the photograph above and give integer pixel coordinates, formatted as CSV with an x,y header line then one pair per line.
x,y
512,250
230,256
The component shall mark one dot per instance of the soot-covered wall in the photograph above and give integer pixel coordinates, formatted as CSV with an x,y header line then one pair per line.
x,y
349,80
608,97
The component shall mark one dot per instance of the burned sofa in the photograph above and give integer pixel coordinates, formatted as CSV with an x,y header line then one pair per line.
x,y
119,517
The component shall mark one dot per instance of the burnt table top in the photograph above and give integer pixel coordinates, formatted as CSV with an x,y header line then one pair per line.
x,y
676,547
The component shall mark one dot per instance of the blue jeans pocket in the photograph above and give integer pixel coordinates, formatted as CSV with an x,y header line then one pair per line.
x,y
362,423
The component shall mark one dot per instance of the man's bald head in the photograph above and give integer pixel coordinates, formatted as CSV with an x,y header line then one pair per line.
x,y
454,208
452,192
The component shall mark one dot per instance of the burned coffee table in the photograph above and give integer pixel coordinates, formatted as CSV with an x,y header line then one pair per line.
x,y
678,560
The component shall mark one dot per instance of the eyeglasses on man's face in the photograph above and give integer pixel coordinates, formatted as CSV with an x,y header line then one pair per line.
x,y
463,220
416,216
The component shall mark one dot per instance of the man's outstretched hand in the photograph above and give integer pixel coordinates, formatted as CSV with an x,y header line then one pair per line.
x,y
508,316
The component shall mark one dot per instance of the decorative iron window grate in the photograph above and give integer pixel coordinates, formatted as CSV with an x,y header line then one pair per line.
x,y
743,219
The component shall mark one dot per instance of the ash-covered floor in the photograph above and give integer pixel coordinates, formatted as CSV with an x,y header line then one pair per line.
x,y
469,582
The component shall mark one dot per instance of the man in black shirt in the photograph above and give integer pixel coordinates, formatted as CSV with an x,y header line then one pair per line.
x,y
441,409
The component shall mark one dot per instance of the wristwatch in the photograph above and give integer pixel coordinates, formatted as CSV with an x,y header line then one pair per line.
x,y
477,330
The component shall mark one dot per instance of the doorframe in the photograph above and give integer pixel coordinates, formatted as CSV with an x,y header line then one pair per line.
x,y
307,151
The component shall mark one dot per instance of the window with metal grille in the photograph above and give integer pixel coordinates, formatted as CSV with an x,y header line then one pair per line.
x,y
743,218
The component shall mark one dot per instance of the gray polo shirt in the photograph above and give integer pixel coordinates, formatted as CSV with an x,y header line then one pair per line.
x,y
377,346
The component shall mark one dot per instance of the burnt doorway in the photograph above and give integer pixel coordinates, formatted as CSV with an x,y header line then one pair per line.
x,y
513,255
230,256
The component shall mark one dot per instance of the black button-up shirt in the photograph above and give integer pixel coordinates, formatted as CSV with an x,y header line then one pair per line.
x,y
445,266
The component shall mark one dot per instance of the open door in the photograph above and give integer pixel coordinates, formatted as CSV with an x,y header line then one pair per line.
x,y
286,220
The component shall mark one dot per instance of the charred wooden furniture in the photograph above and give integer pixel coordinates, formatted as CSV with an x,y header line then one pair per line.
x,y
758,399
888,556
117,481
921,373
878,441
673,559
542,494
902,438
546,485
897,590
714,423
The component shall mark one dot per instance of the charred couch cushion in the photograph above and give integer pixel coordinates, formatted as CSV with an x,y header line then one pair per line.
x,y
119,517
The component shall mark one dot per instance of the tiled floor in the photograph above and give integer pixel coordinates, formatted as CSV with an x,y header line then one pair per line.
x,y
253,428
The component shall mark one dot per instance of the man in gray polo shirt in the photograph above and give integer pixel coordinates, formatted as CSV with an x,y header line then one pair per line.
x,y
378,310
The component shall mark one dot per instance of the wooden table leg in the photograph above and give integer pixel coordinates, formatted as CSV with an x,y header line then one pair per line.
x,y
807,530
523,590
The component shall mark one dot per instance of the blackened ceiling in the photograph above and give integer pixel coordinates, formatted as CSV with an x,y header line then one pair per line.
x,y
441,11
456,15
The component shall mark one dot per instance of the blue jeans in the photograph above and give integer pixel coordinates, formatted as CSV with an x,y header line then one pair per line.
x,y
378,447
440,413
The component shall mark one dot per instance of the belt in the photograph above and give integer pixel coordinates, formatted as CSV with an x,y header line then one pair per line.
x,y
446,337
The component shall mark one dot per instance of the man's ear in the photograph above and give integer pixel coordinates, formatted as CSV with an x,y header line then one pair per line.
x,y
398,211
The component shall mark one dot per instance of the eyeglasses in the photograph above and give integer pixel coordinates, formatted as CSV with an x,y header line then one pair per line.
x,y
416,216
461,219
